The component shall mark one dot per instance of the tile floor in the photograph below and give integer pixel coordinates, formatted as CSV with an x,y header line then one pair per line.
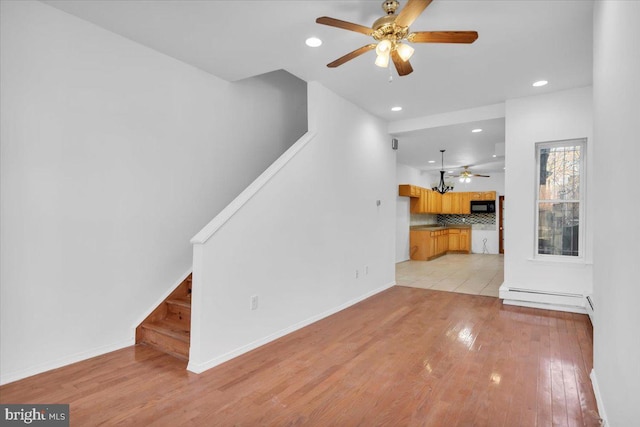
x,y
475,274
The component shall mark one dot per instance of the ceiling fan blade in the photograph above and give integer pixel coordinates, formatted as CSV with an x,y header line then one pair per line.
x,y
411,11
332,22
481,176
403,67
349,56
443,37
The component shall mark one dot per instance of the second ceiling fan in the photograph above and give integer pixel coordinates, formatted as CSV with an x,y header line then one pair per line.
x,y
466,175
391,30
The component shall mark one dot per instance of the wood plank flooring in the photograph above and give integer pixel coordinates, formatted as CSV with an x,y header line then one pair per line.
x,y
404,357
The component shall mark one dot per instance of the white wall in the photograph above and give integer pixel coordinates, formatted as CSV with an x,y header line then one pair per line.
x,y
298,242
113,156
495,182
406,174
556,116
616,286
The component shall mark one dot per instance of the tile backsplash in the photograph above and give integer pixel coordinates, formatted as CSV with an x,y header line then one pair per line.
x,y
476,218
423,219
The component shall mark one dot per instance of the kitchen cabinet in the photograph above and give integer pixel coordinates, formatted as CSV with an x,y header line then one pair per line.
x,y
424,200
465,203
409,190
456,203
454,239
420,245
447,203
483,195
443,242
465,240
434,202
459,240
426,244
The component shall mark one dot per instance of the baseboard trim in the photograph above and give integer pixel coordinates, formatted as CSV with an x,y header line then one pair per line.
x,y
596,391
590,306
10,377
198,368
544,306
548,300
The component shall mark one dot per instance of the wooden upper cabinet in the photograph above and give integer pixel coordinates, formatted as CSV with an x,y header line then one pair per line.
x,y
424,200
465,203
435,202
455,203
489,195
447,203
483,195
408,190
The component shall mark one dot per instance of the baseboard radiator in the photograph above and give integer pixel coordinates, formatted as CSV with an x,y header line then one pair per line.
x,y
551,300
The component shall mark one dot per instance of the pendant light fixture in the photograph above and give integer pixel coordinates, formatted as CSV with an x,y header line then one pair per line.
x,y
442,187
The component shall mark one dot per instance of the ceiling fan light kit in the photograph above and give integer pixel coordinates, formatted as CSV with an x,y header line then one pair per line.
x,y
389,31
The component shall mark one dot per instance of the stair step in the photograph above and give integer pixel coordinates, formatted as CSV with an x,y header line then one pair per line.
x,y
179,310
184,301
169,328
168,336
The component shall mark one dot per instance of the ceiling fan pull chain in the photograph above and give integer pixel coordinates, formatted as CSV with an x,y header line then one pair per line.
x,y
390,75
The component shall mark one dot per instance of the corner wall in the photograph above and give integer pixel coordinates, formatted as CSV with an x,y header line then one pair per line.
x,y
112,157
550,117
297,243
407,175
616,286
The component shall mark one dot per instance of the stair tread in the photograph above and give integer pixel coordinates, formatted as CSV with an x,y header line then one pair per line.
x,y
170,328
184,301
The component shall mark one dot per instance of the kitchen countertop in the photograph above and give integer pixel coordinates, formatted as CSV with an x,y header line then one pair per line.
x,y
436,227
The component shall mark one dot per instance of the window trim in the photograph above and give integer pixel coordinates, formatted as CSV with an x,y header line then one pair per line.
x,y
581,257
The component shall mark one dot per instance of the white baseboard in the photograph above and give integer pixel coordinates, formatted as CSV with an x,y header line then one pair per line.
x,y
10,377
548,300
589,304
198,368
599,402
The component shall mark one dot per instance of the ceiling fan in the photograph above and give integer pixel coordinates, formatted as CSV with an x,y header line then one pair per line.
x,y
389,31
465,175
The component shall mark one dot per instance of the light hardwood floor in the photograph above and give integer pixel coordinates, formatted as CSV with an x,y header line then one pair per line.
x,y
475,274
404,357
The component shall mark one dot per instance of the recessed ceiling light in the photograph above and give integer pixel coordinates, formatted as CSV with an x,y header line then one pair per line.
x,y
313,42
540,83
449,171
432,161
494,155
476,130
396,108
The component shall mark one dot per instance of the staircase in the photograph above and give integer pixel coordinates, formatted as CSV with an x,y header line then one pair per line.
x,y
168,327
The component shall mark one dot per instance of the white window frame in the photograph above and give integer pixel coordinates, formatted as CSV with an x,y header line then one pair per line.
x,y
581,257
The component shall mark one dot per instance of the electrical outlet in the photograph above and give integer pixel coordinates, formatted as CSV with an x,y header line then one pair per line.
x,y
366,270
357,274
254,302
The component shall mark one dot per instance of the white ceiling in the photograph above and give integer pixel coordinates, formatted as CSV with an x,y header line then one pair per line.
x,y
519,42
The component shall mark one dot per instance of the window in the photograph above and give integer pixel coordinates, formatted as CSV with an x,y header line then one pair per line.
x,y
559,198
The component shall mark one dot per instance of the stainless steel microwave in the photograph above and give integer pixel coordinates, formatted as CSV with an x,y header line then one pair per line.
x,y
483,206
